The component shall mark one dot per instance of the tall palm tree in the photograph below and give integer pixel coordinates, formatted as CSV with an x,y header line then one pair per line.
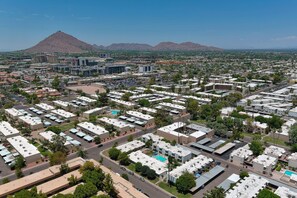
x,y
82,153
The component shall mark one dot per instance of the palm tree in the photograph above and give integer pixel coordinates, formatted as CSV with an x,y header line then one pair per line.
x,y
82,153
73,180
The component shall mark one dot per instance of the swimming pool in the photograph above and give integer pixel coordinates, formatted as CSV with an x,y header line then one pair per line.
x,y
160,158
115,111
290,173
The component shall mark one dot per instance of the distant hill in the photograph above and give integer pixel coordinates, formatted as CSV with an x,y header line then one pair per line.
x,y
163,46
186,46
129,46
65,43
60,42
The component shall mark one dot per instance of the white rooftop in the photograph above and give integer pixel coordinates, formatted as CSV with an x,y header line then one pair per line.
x,y
249,187
172,127
293,156
31,120
86,99
45,106
274,151
125,103
48,135
191,166
265,160
177,150
139,115
14,112
150,110
22,146
115,122
6,129
242,152
61,103
94,110
152,136
130,146
197,134
156,165
63,113
95,129
284,192
172,106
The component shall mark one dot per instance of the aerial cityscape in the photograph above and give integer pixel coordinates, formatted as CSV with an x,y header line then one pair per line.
x,y
138,99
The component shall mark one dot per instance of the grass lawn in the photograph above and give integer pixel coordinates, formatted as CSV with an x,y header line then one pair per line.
x,y
200,121
36,144
274,141
67,126
249,134
155,180
131,167
172,190
43,151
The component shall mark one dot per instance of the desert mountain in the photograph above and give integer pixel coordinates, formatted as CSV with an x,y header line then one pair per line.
x,y
60,42
65,43
163,46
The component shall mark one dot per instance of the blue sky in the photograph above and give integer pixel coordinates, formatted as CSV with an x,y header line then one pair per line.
x,y
223,23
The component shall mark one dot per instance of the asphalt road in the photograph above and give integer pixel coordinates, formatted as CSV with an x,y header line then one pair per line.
x,y
94,153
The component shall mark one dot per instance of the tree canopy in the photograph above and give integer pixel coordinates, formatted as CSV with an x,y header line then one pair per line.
x,y
185,182
215,193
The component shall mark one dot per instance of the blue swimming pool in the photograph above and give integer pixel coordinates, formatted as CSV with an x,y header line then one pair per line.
x,y
290,173
160,158
115,111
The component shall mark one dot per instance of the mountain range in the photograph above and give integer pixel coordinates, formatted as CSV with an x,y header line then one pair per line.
x,y
65,43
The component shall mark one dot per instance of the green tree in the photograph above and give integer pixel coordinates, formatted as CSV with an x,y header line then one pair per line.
x,y
130,138
215,193
256,147
124,159
114,153
97,140
54,129
73,180
144,102
126,96
85,190
192,107
56,82
57,158
82,153
185,182
152,80
93,118
102,100
58,144
25,193
265,193
293,134
5,180
125,176
95,177
149,143
294,148
243,174
138,167
108,186
64,168
59,195
144,170
88,165
19,173
20,162
151,174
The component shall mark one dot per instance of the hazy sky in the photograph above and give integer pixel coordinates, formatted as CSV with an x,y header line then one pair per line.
x,y
222,23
